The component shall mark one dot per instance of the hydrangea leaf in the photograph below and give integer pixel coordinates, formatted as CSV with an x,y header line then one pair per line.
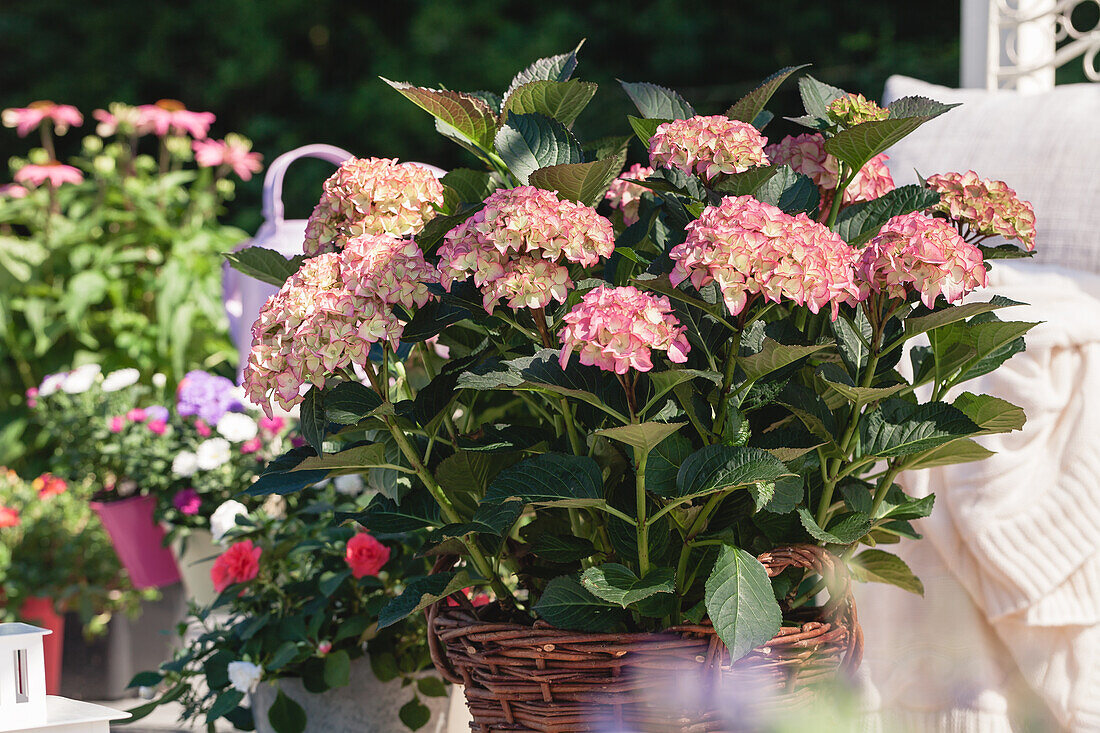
x,y
877,566
527,142
898,428
349,402
817,96
551,68
549,479
643,436
618,584
917,106
746,183
958,451
774,356
861,221
421,593
657,102
953,313
857,145
752,104
645,128
991,414
843,529
740,603
567,605
585,183
266,265
722,467
559,100
462,114
792,192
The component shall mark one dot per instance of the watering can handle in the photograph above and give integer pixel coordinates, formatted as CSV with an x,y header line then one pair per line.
x,y
273,181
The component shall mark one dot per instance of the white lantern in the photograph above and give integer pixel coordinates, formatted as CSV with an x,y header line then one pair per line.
x,y
24,704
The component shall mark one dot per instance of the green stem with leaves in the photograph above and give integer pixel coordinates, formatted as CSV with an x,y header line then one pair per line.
x,y
643,525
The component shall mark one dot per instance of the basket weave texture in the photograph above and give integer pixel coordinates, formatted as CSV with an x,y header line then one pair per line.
x,y
536,678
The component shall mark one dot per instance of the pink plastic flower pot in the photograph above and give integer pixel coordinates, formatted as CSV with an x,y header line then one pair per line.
x,y
138,541
41,612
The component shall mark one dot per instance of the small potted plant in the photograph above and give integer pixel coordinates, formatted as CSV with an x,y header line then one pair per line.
x,y
657,440
55,557
293,639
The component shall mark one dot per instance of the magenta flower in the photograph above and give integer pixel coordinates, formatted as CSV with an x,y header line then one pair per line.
x,y
55,174
748,247
116,424
32,397
626,196
272,425
157,427
26,120
234,152
13,191
616,329
202,428
707,146
170,116
372,196
251,446
915,252
187,501
136,415
988,208
806,155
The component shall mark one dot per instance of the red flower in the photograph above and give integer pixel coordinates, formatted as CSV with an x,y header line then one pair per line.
x,y
8,516
239,564
48,485
366,555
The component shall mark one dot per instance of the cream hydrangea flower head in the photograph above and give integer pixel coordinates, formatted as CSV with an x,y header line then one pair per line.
x,y
988,208
708,145
372,196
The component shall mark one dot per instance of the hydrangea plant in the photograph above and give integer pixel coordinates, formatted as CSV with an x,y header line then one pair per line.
x,y
745,350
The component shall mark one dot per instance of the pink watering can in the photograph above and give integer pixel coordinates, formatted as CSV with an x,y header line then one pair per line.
x,y
243,295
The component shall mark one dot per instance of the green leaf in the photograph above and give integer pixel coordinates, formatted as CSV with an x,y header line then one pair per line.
x,y
853,341
472,186
721,467
953,313
792,192
899,505
918,107
746,183
337,669
383,515
787,494
356,459
567,605
583,182
817,96
349,402
618,584
843,529
562,549
414,714
331,580
432,687
811,410
857,145
664,463
752,104
312,417
958,451
740,603
898,428
286,652
861,221
657,102
146,679
421,593
840,382
531,141
461,115
877,566
551,68
550,479
991,414
224,703
644,128
643,436
559,100
286,715
772,357
265,265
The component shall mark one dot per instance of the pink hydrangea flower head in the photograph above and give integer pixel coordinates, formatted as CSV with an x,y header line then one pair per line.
x,y
748,247
854,109
616,329
387,267
372,196
13,191
915,252
234,152
54,174
986,207
187,501
806,154
528,282
27,119
171,116
626,196
708,145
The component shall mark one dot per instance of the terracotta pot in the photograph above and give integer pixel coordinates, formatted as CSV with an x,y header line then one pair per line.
x,y
40,611
195,555
138,541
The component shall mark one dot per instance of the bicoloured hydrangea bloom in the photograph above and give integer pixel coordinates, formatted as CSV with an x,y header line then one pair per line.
x,y
616,329
855,109
988,208
328,314
708,146
915,252
806,155
516,229
748,247
372,196
626,196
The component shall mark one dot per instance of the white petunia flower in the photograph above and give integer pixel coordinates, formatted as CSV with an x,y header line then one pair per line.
x,y
224,518
237,427
213,453
159,380
81,379
351,485
185,464
50,384
244,676
120,379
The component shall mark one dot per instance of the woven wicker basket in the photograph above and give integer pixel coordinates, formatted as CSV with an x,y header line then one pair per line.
x,y
523,677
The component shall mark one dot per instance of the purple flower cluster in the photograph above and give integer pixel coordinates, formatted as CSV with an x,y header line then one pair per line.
x,y
206,395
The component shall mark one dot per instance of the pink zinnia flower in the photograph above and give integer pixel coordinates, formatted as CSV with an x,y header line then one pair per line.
x,y
627,196
13,191
32,397
251,446
234,152
202,428
748,247
988,208
54,173
136,415
239,564
272,425
616,329
187,501
806,154
116,424
158,427
26,119
915,252
365,555
707,146
169,115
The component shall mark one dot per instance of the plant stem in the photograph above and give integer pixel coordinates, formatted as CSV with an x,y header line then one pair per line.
x,y
843,178
884,485
818,587
727,381
695,528
429,368
643,526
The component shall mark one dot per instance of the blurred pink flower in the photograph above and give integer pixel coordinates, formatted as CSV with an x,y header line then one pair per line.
x,y
806,155
116,424
616,329
234,152
169,115
26,119
159,427
136,415
187,501
626,196
32,397
13,191
272,425
251,446
324,648
916,252
988,208
707,146
202,428
55,174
